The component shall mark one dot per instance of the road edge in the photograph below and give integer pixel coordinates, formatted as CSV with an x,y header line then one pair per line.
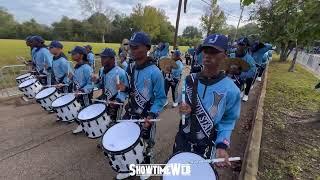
x,y
250,164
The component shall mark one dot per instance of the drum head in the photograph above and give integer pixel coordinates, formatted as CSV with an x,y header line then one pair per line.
x,y
92,111
27,83
121,136
45,92
201,171
63,100
24,76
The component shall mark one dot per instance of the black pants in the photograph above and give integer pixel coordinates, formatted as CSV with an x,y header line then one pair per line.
x,y
261,70
182,144
248,82
174,85
188,60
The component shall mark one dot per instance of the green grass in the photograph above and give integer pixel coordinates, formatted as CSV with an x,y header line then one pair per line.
x,y
10,48
288,150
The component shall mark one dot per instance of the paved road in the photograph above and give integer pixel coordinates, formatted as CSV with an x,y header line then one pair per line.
x,y
34,146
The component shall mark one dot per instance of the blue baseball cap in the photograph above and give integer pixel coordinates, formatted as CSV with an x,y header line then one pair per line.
x,y
55,44
177,53
217,41
243,41
37,39
140,38
78,50
88,46
28,38
108,52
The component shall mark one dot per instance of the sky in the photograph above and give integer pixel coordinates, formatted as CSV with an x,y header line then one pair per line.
x,y
49,11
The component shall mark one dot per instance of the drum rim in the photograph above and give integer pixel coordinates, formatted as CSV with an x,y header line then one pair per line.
x,y
94,118
56,107
45,96
29,84
17,78
176,153
122,151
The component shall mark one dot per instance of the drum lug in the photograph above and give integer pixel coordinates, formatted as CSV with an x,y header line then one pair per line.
x,y
128,167
141,143
134,152
87,134
97,122
104,118
110,162
112,157
74,104
68,108
106,154
100,131
137,160
123,157
94,135
61,110
117,168
82,125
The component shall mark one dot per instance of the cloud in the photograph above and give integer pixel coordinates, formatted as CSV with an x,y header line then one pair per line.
x,y
49,11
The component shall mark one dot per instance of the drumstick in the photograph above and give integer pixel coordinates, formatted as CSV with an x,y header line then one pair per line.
x,y
183,116
107,102
74,93
118,80
56,85
215,160
137,120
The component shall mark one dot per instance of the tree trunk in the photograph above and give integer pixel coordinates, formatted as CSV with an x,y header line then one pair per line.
x,y
102,37
283,52
293,62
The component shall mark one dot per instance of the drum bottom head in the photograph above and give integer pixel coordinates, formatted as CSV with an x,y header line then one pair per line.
x,y
198,170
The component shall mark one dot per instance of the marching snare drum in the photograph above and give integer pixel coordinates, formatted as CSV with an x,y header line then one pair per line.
x,y
94,120
123,145
20,79
198,169
30,88
46,96
67,107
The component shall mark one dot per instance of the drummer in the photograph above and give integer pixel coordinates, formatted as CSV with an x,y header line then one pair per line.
x,y
90,56
123,60
246,77
172,80
147,95
108,81
212,105
82,79
61,66
42,60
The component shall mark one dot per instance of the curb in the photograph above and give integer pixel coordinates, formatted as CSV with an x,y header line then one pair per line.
x,y
250,165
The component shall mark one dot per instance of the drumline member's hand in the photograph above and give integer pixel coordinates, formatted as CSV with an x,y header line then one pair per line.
x,y
70,75
184,108
121,86
77,93
147,122
222,153
59,85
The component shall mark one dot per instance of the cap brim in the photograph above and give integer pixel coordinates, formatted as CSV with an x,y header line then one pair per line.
x,y
212,46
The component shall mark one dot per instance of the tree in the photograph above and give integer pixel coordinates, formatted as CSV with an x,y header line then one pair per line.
x,y
152,21
213,19
288,23
100,18
191,32
8,24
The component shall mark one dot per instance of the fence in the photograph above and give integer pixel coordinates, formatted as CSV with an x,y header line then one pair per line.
x,y
8,74
310,61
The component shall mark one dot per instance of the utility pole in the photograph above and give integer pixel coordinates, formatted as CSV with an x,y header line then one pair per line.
x,y
177,25
235,36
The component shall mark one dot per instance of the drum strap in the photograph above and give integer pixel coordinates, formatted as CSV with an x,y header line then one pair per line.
x,y
200,118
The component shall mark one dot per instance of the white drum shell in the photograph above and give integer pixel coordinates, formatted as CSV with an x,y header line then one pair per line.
x,y
46,102
120,162
96,127
22,79
68,113
31,91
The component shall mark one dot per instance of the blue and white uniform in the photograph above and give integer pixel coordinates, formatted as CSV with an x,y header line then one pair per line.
x,y
215,105
42,58
90,57
61,67
82,78
108,84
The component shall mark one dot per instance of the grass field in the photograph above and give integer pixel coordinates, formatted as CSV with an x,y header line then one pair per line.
x,y
290,147
10,48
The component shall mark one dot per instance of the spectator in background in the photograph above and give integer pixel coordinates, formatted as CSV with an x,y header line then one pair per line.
x,y
90,56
